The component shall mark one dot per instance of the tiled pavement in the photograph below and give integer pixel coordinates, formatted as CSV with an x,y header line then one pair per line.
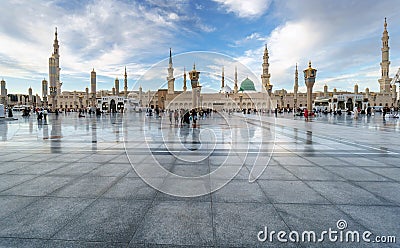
x,y
69,182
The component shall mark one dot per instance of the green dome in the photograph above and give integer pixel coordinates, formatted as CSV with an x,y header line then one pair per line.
x,y
247,85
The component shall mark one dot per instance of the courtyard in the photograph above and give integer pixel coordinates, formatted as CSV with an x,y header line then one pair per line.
x,y
130,180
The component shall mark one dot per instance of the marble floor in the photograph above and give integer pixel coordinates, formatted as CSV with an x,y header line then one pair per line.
x,y
137,181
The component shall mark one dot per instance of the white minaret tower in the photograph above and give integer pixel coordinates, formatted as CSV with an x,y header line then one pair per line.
x,y
265,77
235,87
296,86
44,92
184,80
54,73
3,92
93,87
223,79
116,86
125,84
140,96
30,96
384,81
170,78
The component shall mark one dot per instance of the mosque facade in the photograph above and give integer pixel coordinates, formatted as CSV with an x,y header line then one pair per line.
x,y
246,96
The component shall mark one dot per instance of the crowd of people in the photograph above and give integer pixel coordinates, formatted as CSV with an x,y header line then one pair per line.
x,y
180,117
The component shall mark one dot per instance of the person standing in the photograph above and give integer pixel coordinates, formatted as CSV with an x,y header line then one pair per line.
x,y
384,112
170,116
355,110
45,114
306,114
176,116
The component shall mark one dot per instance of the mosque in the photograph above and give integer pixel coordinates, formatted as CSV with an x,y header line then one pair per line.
x,y
243,96
246,96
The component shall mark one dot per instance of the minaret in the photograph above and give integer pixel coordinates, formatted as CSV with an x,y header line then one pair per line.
x,y
125,84
223,79
140,95
54,73
184,80
30,96
265,77
235,87
44,92
325,90
296,81
384,81
87,97
93,88
3,93
356,89
296,86
116,86
170,78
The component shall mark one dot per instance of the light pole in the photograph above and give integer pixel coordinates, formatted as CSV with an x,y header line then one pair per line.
x,y
241,100
309,78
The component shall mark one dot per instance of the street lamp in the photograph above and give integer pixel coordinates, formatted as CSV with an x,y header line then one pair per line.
x,y
241,100
80,101
309,78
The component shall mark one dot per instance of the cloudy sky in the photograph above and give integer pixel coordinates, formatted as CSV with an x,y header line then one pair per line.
x,y
341,38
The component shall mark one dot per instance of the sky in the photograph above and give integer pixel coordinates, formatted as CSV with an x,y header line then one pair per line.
x,y
341,38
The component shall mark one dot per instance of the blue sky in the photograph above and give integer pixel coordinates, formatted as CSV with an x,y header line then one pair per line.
x,y
341,38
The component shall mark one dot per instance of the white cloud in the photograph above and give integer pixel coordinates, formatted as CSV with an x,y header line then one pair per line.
x,y
245,9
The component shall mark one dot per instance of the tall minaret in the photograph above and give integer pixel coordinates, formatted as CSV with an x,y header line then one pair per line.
x,y
140,96
125,84
30,96
223,79
170,78
184,80
296,85
235,87
266,86
3,92
54,73
87,97
116,86
384,81
44,92
296,81
93,87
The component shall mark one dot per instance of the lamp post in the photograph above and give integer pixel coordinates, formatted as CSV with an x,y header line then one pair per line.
x,y
309,78
241,100
80,101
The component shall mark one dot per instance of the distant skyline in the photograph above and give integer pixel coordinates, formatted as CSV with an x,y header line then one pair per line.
x,y
341,38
